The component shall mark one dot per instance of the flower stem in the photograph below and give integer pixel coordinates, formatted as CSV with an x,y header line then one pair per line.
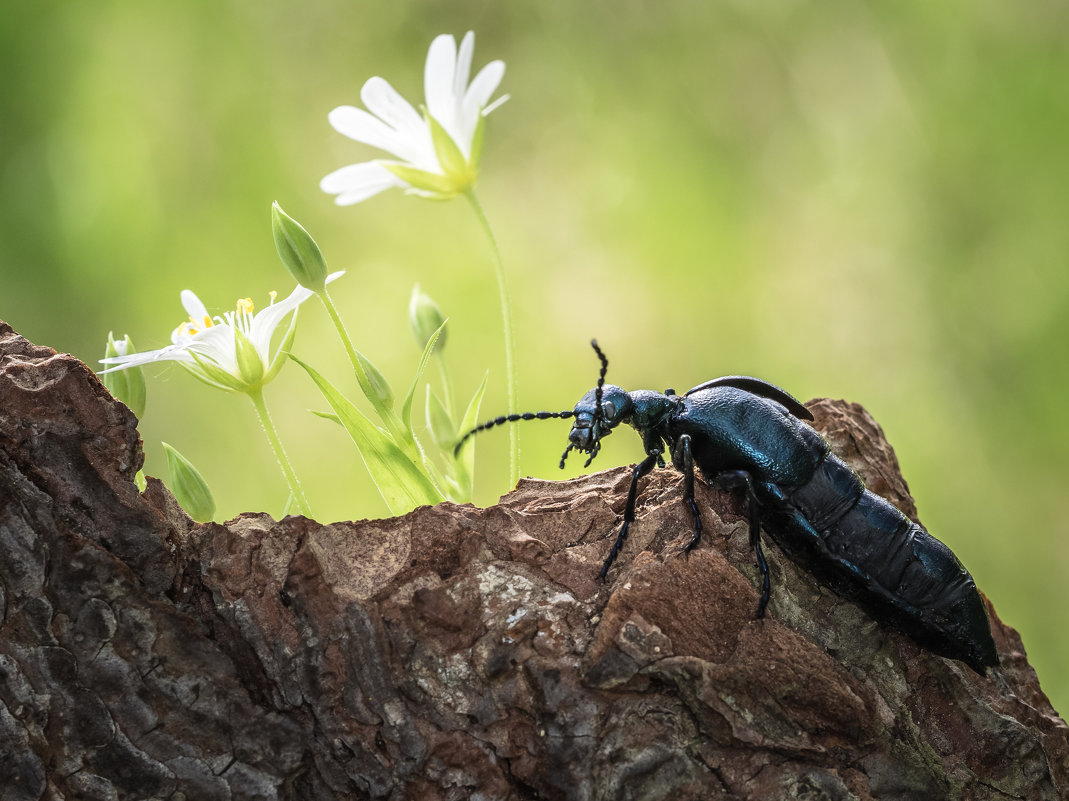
x,y
332,310
257,398
510,344
401,434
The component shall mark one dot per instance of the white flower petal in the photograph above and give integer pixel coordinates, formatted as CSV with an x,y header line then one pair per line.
x,y
217,343
463,66
175,353
483,87
477,96
384,102
357,182
363,127
193,306
266,321
393,125
411,136
438,79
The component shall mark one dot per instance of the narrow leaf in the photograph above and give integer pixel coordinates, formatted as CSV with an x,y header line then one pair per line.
x,y
401,483
428,349
465,462
442,431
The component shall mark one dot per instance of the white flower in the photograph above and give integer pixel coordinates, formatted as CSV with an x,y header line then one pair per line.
x,y
438,150
232,351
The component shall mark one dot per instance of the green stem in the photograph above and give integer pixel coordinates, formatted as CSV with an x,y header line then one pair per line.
x,y
400,433
510,344
358,368
257,398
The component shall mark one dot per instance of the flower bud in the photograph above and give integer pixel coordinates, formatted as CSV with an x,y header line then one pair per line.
x,y
126,385
298,251
189,487
424,318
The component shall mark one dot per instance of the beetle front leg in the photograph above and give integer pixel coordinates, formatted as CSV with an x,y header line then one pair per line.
x,y
730,479
641,469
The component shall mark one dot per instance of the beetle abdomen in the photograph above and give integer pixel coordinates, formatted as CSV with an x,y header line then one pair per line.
x,y
866,550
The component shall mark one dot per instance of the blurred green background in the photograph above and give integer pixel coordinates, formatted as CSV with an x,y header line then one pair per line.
x,y
849,200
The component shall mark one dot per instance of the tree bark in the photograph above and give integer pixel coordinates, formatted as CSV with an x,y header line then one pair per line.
x,y
457,652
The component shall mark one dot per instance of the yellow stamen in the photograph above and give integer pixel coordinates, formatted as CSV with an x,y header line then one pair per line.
x,y
245,305
206,322
273,295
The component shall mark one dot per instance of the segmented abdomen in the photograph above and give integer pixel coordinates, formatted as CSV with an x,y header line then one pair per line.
x,y
866,550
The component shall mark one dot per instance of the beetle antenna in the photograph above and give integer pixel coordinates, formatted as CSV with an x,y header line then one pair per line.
x,y
601,377
510,418
599,414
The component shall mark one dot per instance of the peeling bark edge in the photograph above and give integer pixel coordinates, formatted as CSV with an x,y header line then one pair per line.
x,y
456,652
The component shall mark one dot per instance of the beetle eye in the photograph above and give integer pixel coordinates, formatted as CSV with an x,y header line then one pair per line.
x,y
608,408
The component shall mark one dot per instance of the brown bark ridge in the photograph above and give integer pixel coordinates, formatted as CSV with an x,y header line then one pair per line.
x,y
456,652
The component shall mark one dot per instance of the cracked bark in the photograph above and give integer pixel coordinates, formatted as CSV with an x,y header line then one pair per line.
x,y
456,652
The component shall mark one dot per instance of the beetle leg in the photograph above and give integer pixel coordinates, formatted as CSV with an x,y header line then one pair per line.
x,y
735,478
688,491
641,469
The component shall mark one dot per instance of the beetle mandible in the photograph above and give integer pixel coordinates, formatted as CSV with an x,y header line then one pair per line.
x,y
745,433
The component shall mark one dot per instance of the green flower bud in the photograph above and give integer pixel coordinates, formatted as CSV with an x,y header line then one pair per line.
x,y
126,385
189,487
298,251
424,318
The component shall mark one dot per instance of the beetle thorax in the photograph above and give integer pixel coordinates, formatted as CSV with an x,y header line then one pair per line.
x,y
650,410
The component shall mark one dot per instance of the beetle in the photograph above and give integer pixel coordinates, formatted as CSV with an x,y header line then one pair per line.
x,y
745,433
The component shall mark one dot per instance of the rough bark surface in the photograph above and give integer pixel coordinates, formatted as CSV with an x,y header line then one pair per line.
x,y
456,652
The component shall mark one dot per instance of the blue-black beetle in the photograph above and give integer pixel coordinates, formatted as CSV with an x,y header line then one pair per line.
x,y
747,433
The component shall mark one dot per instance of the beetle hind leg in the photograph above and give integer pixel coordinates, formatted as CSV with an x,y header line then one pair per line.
x,y
734,479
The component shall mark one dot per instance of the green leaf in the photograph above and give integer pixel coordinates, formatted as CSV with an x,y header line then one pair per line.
x,y
466,460
189,487
438,421
401,483
291,505
428,349
283,349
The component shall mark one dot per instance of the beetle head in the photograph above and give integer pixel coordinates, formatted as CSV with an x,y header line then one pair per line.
x,y
597,413
594,421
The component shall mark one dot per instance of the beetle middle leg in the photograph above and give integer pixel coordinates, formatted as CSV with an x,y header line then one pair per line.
x,y
735,479
687,465
641,469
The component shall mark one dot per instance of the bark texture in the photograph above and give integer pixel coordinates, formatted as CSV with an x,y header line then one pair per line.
x,y
456,652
